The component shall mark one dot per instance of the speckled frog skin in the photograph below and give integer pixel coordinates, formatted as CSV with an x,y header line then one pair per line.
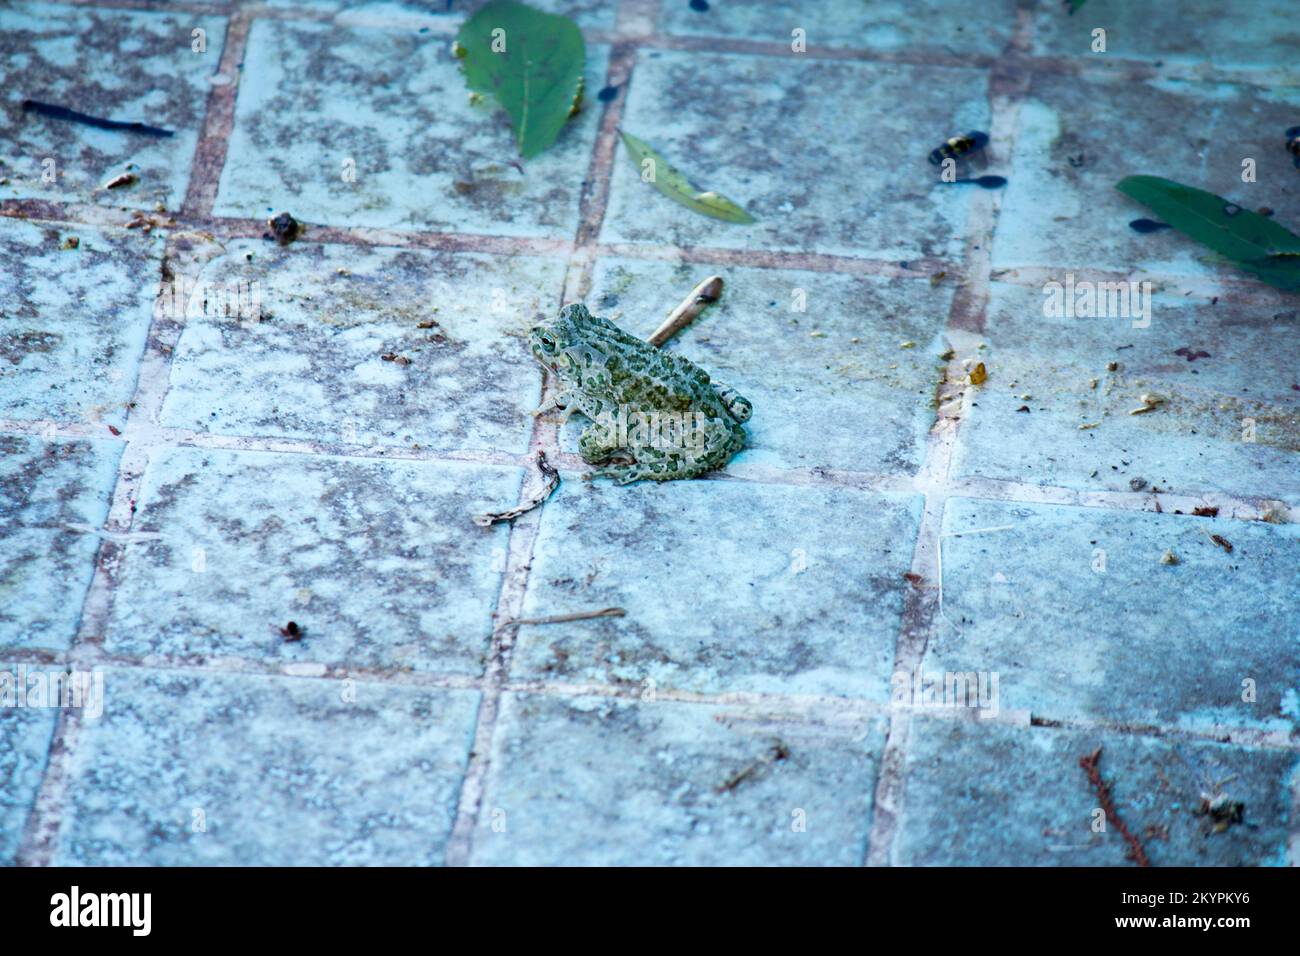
x,y
659,414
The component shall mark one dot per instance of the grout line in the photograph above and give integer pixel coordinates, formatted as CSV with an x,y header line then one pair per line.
x,y
218,123
922,608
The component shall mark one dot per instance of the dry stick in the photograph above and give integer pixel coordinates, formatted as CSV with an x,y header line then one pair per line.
x,y
489,518
1089,765
702,296
562,618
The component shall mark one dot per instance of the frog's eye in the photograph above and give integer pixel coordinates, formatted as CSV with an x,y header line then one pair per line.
x,y
546,341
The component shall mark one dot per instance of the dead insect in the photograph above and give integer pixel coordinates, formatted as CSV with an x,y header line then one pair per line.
x,y
959,146
1293,144
284,229
293,632
1222,811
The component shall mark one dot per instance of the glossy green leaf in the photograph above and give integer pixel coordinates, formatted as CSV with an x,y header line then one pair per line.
x,y
655,170
531,61
1253,242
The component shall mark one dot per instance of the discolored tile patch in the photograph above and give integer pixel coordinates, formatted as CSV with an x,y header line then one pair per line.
x,y
980,794
769,133
339,352
1061,206
378,561
1186,31
841,370
1076,613
1229,420
70,349
602,782
927,28
125,65
53,497
373,127
236,770
728,586
25,735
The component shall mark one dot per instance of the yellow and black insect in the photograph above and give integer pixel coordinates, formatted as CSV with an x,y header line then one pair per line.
x,y
1293,144
959,146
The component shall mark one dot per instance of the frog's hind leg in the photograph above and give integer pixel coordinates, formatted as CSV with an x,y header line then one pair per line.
x,y
739,406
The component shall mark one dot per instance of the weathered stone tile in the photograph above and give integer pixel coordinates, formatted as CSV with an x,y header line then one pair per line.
x,y
24,740
394,103
1061,206
125,65
587,14
242,770
379,561
1075,611
52,498
600,782
982,794
926,27
314,367
1188,31
842,389
769,132
1230,420
72,322
728,586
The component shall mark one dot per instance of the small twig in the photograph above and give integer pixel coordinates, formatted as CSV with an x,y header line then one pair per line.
x,y
72,116
563,618
703,295
778,751
1089,764
489,518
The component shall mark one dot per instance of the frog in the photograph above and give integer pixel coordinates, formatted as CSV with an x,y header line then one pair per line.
x,y
655,415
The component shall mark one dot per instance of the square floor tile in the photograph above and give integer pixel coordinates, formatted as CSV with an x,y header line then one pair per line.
x,y
132,66
53,497
769,133
1061,206
979,794
925,27
70,349
314,367
601,782
24,741
313,96
1075,611
379,561
728,586
237,770
588,14
1230,420
841,370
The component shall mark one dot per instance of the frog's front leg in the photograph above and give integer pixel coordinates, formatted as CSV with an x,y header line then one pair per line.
x,y
599,441
560,399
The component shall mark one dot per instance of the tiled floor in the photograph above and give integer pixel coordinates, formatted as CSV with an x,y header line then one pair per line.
x,y
309,433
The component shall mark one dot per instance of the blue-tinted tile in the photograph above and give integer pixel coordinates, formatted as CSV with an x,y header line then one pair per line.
x,y
1061,206
125,65
24,741
727,586
588,14
425,157
769,132
601,782
379,561
852,387
1230,419
238,770
981,794
70,349
53,497
1075,611
314,366
927,27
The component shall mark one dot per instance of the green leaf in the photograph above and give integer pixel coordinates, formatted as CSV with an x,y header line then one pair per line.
x,y
535,70
676,186
1253,242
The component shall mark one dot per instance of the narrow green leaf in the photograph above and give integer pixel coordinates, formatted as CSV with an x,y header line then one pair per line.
x,y
531,61
675,186
1253,242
